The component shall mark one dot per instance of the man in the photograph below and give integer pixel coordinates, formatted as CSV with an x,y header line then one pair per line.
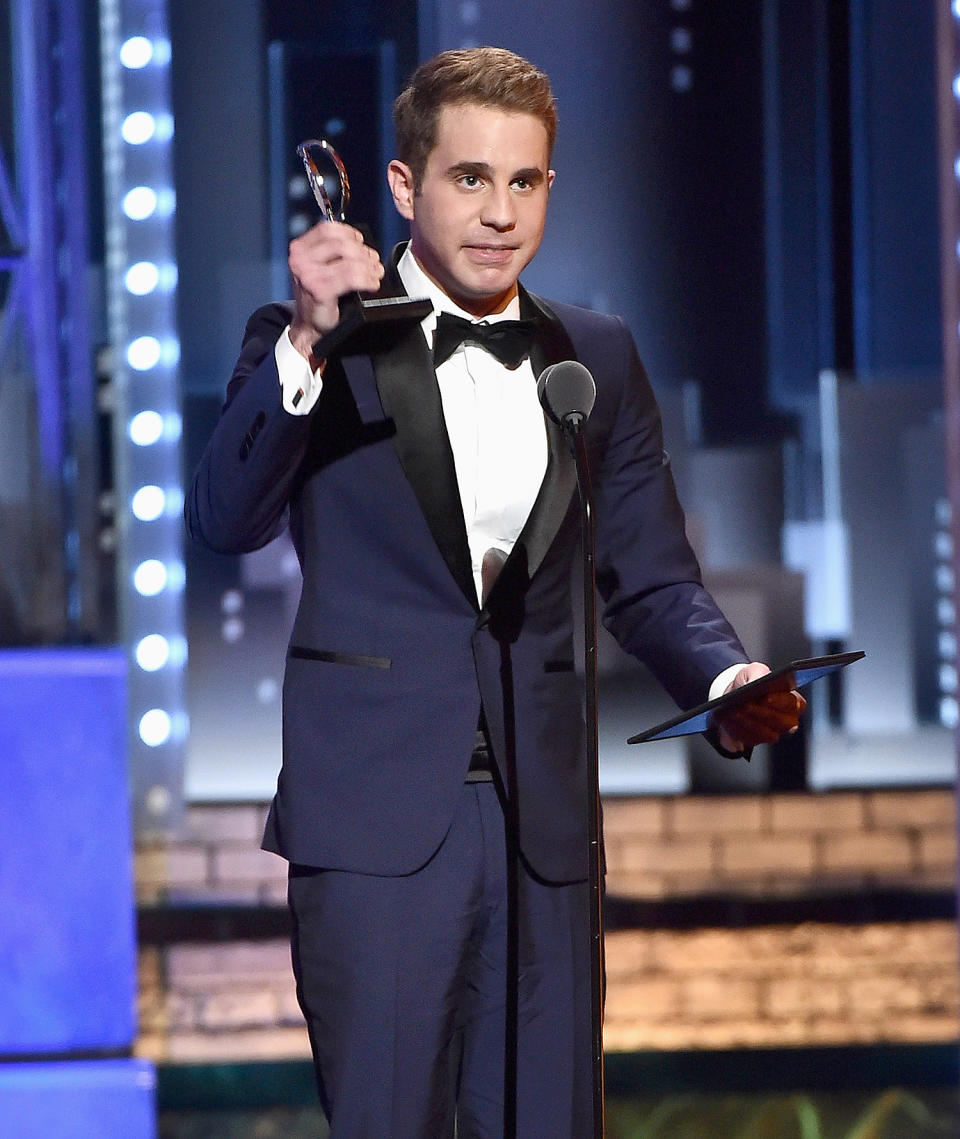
x,y
433,748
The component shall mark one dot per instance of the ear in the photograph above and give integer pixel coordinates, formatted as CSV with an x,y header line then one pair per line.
x,y
551,174
401,182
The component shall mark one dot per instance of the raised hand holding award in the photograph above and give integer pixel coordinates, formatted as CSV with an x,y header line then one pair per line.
x,y
356,312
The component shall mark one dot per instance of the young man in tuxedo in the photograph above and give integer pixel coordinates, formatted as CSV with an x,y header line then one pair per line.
x,y
432,721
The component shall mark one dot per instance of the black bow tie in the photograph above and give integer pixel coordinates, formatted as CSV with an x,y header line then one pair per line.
x,y
508,340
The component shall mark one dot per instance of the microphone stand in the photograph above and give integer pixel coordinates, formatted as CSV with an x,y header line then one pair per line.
x,y
572,426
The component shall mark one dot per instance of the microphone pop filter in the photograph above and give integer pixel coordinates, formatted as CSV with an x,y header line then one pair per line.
x,y
567,392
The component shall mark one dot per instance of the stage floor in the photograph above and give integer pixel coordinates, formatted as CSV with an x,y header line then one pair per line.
x,y
926,1113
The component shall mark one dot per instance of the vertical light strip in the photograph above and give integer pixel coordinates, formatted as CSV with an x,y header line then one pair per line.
x,y
141,300
948,515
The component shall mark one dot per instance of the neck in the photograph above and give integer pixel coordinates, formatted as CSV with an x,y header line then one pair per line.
x,y
478,307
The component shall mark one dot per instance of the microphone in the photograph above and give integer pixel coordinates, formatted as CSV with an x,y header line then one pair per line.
x,y
567,393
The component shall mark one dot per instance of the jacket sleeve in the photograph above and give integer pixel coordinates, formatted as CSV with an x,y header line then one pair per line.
x,y
655,602
239,497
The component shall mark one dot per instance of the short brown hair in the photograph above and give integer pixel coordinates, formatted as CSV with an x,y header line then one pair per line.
x,y
486,76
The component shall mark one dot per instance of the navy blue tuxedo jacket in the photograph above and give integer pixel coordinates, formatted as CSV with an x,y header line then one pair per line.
x,y
391,656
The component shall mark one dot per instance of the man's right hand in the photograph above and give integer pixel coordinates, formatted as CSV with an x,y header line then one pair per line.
x,y
325,262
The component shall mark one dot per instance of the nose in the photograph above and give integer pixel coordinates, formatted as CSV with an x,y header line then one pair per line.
x,y
499,210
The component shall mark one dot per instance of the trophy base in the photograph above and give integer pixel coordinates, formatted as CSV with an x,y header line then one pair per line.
x,y
359,313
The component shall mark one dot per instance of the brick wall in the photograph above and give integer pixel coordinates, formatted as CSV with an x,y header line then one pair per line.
x,y
219,1002
780,844
780,986
805,983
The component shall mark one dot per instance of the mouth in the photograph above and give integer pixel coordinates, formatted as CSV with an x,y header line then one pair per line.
x,y
491,254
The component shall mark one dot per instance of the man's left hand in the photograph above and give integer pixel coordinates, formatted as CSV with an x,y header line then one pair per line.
x,y
763,720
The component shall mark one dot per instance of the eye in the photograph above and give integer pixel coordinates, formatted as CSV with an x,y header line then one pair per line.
x,y
469,180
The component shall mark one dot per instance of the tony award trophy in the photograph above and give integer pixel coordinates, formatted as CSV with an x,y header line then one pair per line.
x,y
356,312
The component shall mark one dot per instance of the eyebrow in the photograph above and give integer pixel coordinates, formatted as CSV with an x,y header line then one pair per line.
x,y
532,174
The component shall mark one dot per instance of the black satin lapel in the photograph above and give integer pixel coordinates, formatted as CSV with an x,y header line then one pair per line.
x,y
410,396
552,344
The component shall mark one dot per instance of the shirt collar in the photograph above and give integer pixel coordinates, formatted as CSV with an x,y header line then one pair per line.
x,y
418,284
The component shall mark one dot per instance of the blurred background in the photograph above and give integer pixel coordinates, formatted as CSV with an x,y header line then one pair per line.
x,y
766,191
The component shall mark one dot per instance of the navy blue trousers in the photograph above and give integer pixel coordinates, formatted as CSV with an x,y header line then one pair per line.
x,y
404,985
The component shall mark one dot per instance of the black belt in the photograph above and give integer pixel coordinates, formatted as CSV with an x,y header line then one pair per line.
x,y
481,761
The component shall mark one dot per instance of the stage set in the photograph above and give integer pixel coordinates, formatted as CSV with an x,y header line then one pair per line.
x,y
769,194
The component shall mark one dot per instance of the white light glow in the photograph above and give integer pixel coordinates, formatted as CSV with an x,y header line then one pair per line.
x,y
166,201
170,352
164,127
150,578
146,428
268,690
231,602
136,52
161,52
178,651
148,503
173,500
138,127
176,576
153,652
155,727
144,353
139,203
298,224
142,278
956,86
232,630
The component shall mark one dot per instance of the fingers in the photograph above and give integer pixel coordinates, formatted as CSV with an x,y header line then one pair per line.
x,y
332,255
762,720
325,262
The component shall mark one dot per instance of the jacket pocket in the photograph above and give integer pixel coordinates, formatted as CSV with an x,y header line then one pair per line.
x,y
298,652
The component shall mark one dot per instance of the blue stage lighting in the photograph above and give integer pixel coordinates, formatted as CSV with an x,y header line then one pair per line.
x,y
149,503
142,278
138,127
150,577
155,727
153,652
144,353
136,52
146,428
